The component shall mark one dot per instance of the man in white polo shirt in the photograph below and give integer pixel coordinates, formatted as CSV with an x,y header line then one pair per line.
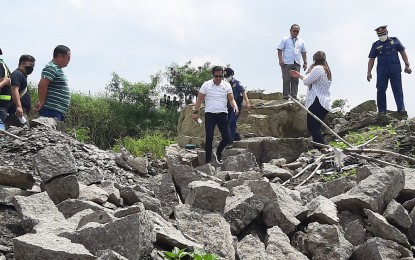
x,y
215,93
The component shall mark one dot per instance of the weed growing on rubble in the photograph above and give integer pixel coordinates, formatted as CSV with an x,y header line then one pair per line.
x,y
358,138
177,253
337,175
153,144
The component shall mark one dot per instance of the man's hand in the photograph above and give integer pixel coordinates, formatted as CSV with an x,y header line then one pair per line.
x,y
369,76
19,111
281,63
305,66
38,107
247,105
407,70
195,116
236,110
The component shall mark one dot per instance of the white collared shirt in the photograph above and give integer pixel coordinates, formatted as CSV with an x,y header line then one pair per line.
x,y
292,49
216,96
320,87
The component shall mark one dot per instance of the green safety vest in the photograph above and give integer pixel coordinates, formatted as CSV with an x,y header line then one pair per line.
x,y
6,75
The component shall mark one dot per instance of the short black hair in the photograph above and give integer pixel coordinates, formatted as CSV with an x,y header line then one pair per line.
x,y
26,57
217,68
294,26
60,49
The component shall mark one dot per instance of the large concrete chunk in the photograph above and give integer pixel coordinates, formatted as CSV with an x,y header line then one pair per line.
x,y
278,246
327,189
242,162
54,161
72,206
7,193
39,214
380,249
132,236
408,192
62,188
374,193
48,246
251,248
288,148
168,236
327,242
208,229
279,206
241,209
379,226
10,176
323,211
397,215
207,195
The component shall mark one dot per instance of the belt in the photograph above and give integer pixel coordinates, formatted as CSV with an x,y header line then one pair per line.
x,y
6,97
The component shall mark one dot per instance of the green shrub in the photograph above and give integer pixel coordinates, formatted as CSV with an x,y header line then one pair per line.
x,y
154,144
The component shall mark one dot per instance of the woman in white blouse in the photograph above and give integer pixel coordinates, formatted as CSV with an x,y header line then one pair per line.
x,y
318,79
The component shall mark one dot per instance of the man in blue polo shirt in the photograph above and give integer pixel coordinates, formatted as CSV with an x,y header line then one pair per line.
x,y
386,49
239,95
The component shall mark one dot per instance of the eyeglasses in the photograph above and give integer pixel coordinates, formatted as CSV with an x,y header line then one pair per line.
x,y
218,76
296,31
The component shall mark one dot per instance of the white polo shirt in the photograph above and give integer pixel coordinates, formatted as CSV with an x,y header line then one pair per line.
x,y
216,96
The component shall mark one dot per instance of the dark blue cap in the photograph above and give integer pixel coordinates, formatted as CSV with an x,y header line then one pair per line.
x,y
228,72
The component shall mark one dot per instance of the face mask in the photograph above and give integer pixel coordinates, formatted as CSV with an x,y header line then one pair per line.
x,y
29,69
228,79
383,38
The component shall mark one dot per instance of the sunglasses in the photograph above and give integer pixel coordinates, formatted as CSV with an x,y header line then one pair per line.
x,y
218,76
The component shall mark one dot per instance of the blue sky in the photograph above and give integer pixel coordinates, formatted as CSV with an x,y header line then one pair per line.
x,y
136,39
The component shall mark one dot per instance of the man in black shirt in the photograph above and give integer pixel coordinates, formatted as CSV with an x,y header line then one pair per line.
x,y
20,102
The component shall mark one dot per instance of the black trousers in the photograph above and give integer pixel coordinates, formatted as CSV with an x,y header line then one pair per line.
x,y
211,120
314,126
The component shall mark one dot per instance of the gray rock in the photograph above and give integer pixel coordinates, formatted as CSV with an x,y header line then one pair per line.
x,y
93,193
241,209
279,206
241,162
138,164
109,255
374,192
288,148
101,217
326,189
7,193
322,210
39,214
251,248
327,242
10,176
278,246
369,105
114,196
90,175
54,161
208,229
48,246
380,249
409,204
408,192
137,208
132,236
380,227
62,188
168,236
72,206
355,233
207,195
397,215
272,171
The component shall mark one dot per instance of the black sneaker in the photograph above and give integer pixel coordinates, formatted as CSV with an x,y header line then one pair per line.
x,y
402,112
218,158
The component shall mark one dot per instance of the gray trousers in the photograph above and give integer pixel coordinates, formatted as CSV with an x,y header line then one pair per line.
x,y
290,84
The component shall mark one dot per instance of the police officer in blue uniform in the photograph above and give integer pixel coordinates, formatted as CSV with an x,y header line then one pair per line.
x,y
386,49
240,96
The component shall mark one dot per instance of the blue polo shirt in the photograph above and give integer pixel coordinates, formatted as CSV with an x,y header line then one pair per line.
x,y
387,54
237,90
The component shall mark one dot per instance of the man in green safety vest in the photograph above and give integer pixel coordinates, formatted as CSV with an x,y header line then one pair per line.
x,y
4,81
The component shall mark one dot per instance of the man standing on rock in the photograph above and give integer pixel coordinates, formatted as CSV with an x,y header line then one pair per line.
x,y
54,93
389,68
215,93
290,51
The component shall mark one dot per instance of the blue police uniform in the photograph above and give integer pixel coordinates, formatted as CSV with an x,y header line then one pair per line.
x,y
388,68
237,90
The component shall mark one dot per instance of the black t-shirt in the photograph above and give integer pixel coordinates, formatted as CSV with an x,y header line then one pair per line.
x,y
19,79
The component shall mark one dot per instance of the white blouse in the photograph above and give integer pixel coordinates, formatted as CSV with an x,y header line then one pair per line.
x,y
318,86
